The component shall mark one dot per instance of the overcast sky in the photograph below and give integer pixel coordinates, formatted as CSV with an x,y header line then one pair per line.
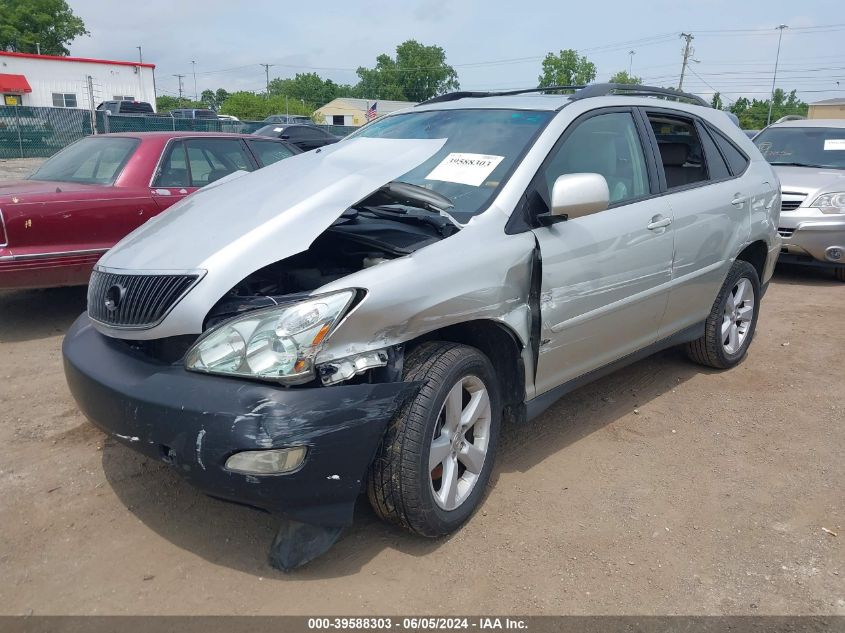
x,y
491,43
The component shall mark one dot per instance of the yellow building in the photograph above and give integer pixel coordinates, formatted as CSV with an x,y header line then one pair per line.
x,y
348,111
827,109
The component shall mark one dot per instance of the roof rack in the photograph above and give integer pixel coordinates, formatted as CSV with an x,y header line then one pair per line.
x,y
581,92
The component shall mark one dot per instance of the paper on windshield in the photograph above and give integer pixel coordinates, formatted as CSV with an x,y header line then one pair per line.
x,y
834,144
466,169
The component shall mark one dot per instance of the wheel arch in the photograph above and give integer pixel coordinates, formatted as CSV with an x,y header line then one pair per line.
x,y
755,254
495,340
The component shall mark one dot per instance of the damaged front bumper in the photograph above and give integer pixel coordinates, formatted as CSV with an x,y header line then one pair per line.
x,y
195,422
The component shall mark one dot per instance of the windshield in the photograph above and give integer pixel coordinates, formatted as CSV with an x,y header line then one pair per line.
x,y
482,148
90,160
803,146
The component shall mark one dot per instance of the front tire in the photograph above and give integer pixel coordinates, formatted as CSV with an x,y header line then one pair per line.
x,y
732,320
435,460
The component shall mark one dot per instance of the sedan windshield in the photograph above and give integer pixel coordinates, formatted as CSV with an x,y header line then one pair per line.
x,y
482,148
91,160
803,146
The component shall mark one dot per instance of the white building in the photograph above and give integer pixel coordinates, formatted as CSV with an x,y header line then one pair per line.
x,y
349,111
63,82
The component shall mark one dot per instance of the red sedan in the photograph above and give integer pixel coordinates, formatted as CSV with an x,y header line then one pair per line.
x,y
56,224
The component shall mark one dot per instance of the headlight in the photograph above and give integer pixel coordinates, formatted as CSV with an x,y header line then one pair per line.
x,y
277,343
830,202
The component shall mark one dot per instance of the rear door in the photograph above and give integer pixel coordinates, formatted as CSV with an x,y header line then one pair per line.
x,y
605,276
710,208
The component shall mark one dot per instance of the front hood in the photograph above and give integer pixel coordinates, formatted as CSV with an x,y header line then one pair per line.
x,y
810,180
233,229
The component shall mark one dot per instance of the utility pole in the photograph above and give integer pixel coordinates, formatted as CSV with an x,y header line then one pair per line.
x,y
140,56
180,78
687,52
194,66
37,48
631,62
775,76
267,76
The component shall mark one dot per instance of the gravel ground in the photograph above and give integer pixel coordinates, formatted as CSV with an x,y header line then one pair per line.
x,y
662,489
14,168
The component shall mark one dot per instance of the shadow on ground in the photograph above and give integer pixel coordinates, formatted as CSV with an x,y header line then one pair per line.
x,y
239,538
26,315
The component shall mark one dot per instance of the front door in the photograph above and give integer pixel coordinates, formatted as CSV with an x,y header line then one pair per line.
x,y
606,275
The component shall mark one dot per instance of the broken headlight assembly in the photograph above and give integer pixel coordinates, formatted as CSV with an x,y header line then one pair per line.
x,y
277,343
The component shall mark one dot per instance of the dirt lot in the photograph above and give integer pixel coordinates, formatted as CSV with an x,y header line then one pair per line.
x,y
664,488
710,499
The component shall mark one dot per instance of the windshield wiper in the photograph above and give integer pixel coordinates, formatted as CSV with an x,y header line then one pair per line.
x,y
405,194
795,164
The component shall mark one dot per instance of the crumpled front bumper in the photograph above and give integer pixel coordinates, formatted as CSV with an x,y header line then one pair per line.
x,y
194,422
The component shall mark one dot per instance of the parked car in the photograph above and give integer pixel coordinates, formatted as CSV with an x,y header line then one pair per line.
x,y
305,137
365,317
125,107
809,158
193,113
289,118
57,223
228,117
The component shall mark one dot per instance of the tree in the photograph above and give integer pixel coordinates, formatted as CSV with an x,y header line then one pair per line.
x,y
249,106
418,72
165,103
566,68
716,101
753,113
622,77
309,87
26,25
213,100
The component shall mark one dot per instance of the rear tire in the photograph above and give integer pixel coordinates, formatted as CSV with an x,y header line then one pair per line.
x,y
730,326
839,273
435,460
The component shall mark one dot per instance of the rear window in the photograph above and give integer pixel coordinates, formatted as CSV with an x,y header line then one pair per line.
x,y
91,160
737,161
135,107
205,114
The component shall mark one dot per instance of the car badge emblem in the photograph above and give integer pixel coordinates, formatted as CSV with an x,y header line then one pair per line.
x,y
114,296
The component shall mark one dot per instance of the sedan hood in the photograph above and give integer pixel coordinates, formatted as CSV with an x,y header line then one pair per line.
x,y
810,180
232,229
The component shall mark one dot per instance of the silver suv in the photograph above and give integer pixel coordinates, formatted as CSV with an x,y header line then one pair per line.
x,y
809,159
363,317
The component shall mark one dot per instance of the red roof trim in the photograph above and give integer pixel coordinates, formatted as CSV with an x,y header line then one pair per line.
x,y
14,84
77,59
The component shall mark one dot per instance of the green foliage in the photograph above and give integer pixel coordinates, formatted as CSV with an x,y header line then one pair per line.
x,y
622,77
27,24
752,113
716,101
566,68
213,100
165,103
309,87
249,106
418,72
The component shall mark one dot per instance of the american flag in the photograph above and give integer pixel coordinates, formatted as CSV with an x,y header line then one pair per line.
x,y
371,111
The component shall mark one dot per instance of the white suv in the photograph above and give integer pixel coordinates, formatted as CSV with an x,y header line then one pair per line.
x,y
362,317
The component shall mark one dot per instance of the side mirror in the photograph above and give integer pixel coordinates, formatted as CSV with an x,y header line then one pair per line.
x,y
577,195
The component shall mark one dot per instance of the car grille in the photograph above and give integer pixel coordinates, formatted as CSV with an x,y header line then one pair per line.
x,y
783,232
791,200
135,301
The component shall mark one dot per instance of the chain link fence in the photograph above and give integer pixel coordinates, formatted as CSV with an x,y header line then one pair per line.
x,y
27,132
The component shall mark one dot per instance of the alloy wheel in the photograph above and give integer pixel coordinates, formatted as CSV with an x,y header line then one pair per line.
x,y
738,314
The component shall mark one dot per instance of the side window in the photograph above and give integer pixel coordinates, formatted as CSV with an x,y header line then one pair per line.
x,y
716,165
737,161
680,150
606,144
294,133
269,152
174,168
211,159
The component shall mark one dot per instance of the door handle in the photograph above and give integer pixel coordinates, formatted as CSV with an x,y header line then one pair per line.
x,y
738,200
658,222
